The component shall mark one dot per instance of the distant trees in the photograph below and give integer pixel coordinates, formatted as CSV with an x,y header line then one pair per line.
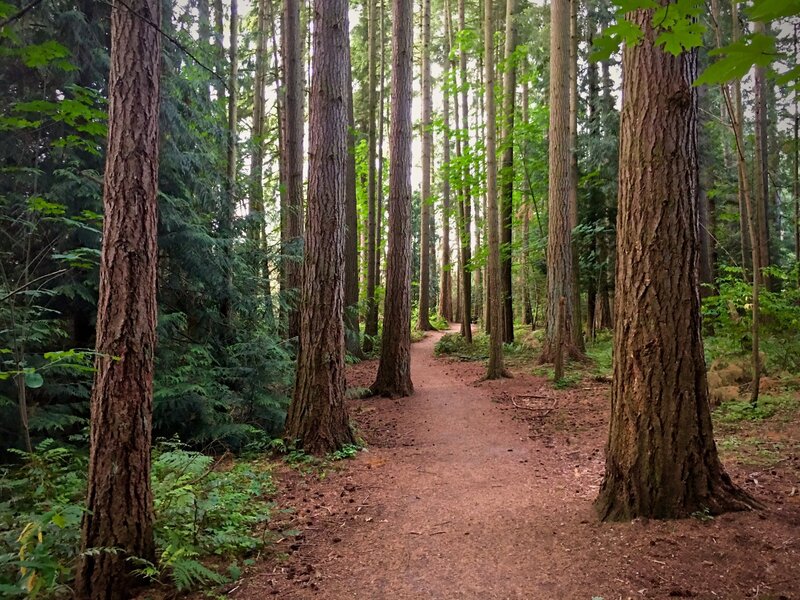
x,y
317,417
661,459
119,501
394,369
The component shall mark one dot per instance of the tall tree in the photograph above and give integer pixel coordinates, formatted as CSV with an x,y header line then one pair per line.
x,y
394,369
371,323
507,197
120,499
796,171
559,239
465,199
577,330
292,156
495,368
317,417
352,334
446,279
761,178
661,459
229,199
423,322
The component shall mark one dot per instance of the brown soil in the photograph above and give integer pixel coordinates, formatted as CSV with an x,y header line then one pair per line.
x,y
483,490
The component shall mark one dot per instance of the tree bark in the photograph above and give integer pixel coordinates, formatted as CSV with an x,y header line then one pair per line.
x,y
495,368
737,121
229,200
507,170
761,196
120,499
560,280
661,459
577,327
371,324
446,285
292,221
394,369
423,322
317,418
796,177
466,196
352,333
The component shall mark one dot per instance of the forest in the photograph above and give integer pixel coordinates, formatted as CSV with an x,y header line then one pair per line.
x,y
400,299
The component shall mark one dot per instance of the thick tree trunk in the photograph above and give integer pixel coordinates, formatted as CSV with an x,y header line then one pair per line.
x,y
394,369
560,281
317,418
292,221
507,178
423,321
495,368
371,323
661,459
120,500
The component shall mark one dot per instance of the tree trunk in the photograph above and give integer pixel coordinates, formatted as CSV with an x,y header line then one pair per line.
x,y
738,120
661,459
560,281
446,284
352,333
371,324
495,368
292,221
119,500
507,198
317,418
466,197
394,369
577,327
796,178
423,322
761,188
255,229
229,200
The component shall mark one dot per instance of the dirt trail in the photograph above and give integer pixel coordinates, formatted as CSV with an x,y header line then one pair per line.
x,y
462,496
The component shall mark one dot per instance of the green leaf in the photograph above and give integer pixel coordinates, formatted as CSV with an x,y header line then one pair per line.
x,y
738,59
771,10
41,55
33,380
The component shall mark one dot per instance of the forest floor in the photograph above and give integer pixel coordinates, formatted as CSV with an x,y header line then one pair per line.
x,y
474,489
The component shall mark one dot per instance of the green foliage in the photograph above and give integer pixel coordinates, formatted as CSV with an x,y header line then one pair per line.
x,y
738,58
455,346
768,406
680,29
204,507
729,315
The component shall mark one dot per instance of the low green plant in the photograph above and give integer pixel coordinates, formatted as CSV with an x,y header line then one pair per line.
x,y
767,407
203,508
345,452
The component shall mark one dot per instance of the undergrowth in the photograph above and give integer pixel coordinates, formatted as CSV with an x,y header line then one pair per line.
x,y
204,511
